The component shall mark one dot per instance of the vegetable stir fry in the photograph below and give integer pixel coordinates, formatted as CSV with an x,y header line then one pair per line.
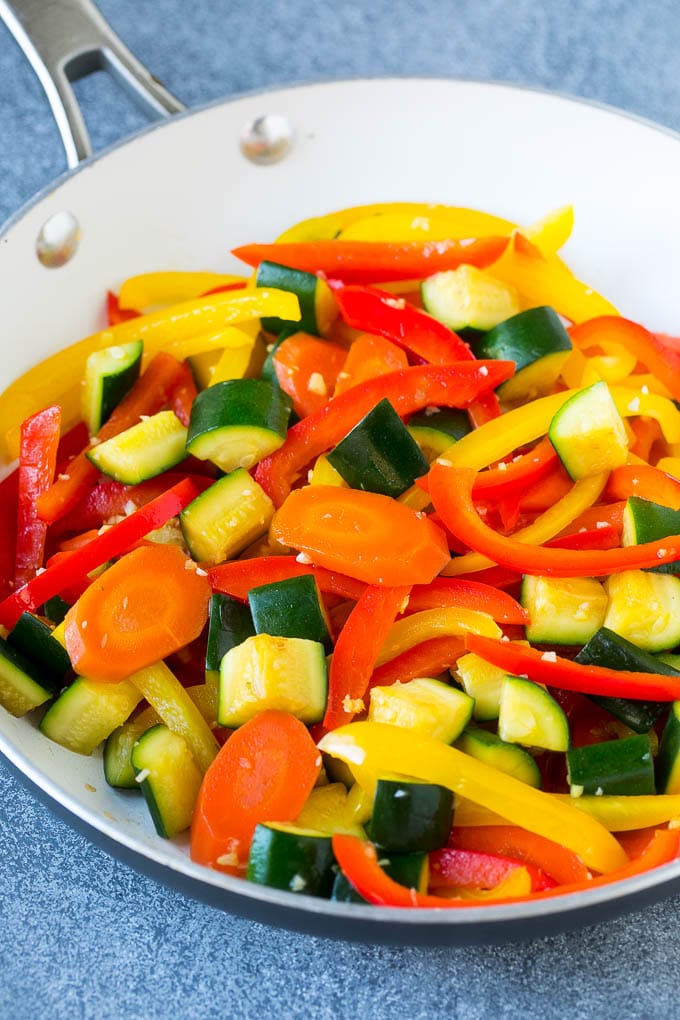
x,y
363,567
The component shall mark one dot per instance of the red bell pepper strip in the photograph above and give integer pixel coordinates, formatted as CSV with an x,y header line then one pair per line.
x,y
597,517
375,261
113,542
9,488
606,537
182,394
357,650
470,869
451,591
549,668
430,658
661,354
451,492
409,390
77,583
518,475
148,395
237,577
70,444
115,313
37,464
496,577
645,481
562,865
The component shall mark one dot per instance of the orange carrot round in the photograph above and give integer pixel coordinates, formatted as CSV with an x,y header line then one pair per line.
x,y
143,608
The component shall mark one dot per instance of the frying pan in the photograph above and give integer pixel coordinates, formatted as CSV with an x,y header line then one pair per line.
x,y
181,194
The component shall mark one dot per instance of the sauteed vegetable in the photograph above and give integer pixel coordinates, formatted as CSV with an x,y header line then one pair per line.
x,y
362,568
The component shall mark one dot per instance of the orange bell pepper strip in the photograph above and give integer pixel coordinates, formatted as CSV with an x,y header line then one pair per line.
x,y
126,620
429,658
449,591
562,865
37,462
606,537
237,577
411,390
306,368
264,773
598,516
645,481
375,261
368,357
659,353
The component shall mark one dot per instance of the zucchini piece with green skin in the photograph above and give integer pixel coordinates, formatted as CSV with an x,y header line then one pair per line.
x,y
539,345
423,705
616,767
483,682
143,451
33,638
117,755
436,428
530,716
168,777
410,816
273,672
24,685
109,375
588,433
291,608
668,758
226,518
469,298
87,712
644,608
410,870
379,454
318,307
563,611
230,623
644,521
288,857
55,609
606,648
238,422
501,755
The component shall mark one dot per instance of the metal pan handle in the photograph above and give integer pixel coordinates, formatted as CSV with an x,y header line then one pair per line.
x,y
65,40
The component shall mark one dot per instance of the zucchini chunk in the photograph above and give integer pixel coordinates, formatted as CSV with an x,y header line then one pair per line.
x,y
530,716
501,755
379,454
644,521
117,756
87,712
318,307
291,608
238,422
55,609
425,706
273,672
230,623
469,298
436,428
563,611
483,682
410,870
410,816
292,858
327,811
168,777
33,638
668,758
143,451
588,433
644,608
109,375
23,684
613,768
226,518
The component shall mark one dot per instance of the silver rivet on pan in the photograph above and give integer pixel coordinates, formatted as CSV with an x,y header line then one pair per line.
x,y
267,139
58,240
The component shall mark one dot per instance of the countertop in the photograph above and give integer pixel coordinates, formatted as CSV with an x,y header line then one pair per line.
x,y
83,935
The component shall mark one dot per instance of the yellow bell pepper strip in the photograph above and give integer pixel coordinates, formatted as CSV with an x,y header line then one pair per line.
x,y
451,494
660,354
373,749
409,390
553,231
57,379
554,671
431,623
148,289
625,814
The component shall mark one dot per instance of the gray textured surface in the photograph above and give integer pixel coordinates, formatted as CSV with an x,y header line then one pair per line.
x,y
80,934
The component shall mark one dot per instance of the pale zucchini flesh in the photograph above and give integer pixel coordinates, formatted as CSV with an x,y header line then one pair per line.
x,y
424,705
530,716
143,451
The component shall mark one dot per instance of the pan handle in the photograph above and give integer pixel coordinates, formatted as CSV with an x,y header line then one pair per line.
x,y
65,40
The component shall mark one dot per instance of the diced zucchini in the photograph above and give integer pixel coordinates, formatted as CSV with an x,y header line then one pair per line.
x,y
410,816
318,307
469,298
563,611
33,638
238,422
378,454
87,712
118,768
273,672
644,521
23,684
425,706
226,518
483,682
168,777
410,870
230,623
501,755
588,433
436,428
644,608
108,376
288,857
615,767
530,716
55,609
668,758
326,811
290,608
143,451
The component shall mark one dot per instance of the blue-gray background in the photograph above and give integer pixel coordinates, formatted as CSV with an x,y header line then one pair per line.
x,y
81,935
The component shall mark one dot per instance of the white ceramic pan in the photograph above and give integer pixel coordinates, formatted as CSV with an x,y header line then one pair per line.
x,y
182,194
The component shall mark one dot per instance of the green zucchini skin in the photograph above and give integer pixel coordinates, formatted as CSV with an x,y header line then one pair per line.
x,y
33,638
23,684
410,870
298,860
230,623
226,518
55,609
500,754
668,758
143,451
606,648
409,816
168,777
623,768
525,338
109,375
290,608
448,422
379,454
313,293
644,521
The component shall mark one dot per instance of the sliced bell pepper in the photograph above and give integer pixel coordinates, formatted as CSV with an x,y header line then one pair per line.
x,y
410,631
9,489
561,864
373,749
369,356
182,395
473,869
429,658
169,288
114,313
661,354
620,814
410,390
306,368
237,577
597,517
549,668
645,481
112,542
518,475
607,537
37,463
443,592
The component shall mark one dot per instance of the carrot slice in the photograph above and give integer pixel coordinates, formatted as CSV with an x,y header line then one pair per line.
x,y
143,608
306,369
264,773
362,534
369,357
